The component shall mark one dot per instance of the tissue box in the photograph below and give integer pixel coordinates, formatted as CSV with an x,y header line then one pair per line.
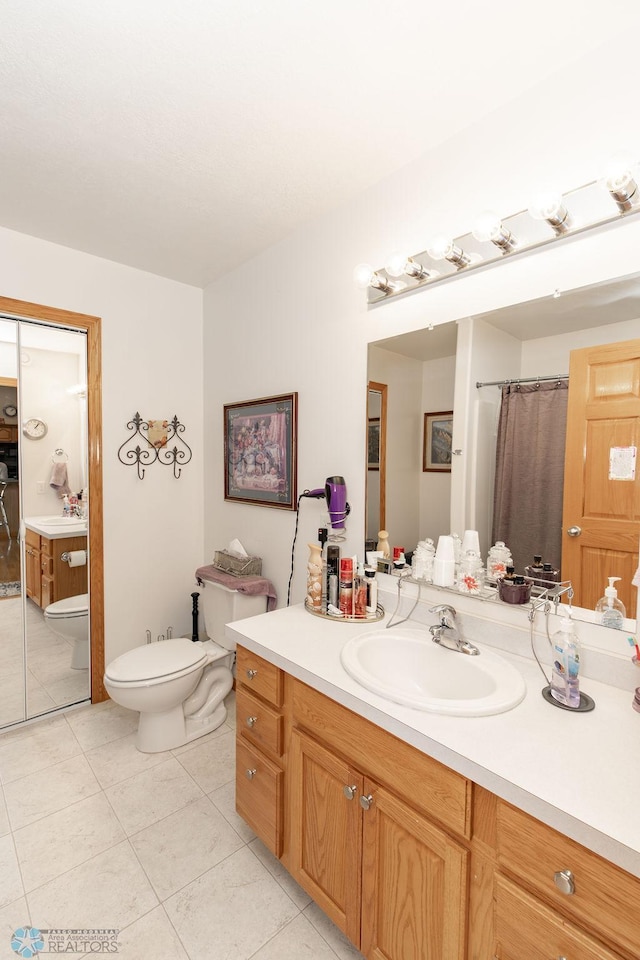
x,y
237,566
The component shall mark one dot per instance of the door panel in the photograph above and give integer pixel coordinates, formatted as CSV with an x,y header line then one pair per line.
x,y
603,414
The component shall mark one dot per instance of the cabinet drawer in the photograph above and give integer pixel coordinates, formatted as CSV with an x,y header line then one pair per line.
x,y
605,898
429,786
258,723
259,788
526,928
260,676
32,539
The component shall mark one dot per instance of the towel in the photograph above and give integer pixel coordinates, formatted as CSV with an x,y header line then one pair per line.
x,y
253,586
59,480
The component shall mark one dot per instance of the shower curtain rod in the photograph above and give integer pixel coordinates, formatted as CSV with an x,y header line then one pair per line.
x,y
505,383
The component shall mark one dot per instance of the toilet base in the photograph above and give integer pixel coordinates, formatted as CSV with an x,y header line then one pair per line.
x,y
165,731
80,655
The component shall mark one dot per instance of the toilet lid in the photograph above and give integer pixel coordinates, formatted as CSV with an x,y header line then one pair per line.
x,y
155,660
69,606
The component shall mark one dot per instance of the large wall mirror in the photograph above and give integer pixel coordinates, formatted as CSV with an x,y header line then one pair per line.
x,y
439,369
50,621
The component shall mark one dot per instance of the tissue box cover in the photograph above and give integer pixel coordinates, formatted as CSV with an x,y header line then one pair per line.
x,y
237,566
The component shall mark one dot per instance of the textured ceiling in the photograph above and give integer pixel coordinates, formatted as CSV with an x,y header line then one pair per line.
x,y
183,136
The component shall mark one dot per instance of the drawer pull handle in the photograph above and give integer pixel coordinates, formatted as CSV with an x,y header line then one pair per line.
x,y
366,802
349,791
564,881
251,721
251,674
251,773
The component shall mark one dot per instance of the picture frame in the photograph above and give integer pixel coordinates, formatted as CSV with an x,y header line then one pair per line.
x,y
436,444
261,451
373,443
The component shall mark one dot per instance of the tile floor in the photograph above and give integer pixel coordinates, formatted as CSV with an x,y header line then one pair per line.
x,y
95,834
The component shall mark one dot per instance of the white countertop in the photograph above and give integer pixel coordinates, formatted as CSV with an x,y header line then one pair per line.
x,y
55,528
579,773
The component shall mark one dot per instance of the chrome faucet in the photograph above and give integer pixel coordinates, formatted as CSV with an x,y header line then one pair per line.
x,y
447,634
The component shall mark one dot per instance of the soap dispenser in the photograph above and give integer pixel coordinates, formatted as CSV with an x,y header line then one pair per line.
x,y
610,609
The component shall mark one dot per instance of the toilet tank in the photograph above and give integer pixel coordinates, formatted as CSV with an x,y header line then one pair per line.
x,y
220,605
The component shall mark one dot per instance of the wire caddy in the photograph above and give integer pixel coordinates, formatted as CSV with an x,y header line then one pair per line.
x,y
140,457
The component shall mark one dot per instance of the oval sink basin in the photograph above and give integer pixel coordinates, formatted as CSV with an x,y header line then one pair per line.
x,y
405,666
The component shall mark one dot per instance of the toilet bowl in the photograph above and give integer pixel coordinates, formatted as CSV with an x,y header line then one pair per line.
x,y
178,686
69,619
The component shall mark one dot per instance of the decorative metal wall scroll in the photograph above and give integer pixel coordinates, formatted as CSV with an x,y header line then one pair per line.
x,y
157,436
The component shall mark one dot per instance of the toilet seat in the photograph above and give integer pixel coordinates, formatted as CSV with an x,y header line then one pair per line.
x,y
156,662
69,608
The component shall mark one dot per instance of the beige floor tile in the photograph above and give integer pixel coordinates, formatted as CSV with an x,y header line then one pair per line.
x,y
152,795
298,941
42,793
151,936
108,891
120,759
102,722
212,764
329,932
180,848
10,880
13,916
225,800
230,911
5,826
48,744
69,837
299,896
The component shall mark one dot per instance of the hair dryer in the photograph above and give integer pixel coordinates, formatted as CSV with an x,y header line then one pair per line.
x,y
335,493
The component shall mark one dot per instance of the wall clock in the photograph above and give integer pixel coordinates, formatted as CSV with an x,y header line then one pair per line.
x,y
34,428
10,410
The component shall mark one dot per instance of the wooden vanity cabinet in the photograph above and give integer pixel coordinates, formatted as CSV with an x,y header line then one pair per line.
x,y
47,576
8,433
260,747
367,852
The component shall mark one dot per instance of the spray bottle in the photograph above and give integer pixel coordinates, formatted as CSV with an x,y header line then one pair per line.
x,y
610,608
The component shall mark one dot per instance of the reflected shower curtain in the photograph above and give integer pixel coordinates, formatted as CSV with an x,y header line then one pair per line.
x,y
527,502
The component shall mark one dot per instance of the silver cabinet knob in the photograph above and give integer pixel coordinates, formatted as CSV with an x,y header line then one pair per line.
x,y
564,881
251,721
251,674
251,773
349,791
574,531
365,802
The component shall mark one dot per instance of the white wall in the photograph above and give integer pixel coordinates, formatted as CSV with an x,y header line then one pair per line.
x,y
151,363
292,319
438,379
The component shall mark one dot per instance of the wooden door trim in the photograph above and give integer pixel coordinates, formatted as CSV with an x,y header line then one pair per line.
x,y
93,328
381,388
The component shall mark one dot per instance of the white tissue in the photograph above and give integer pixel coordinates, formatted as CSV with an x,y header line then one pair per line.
x,y
77,558
236,549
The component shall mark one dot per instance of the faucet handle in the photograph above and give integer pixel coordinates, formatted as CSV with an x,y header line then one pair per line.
x,y
446,613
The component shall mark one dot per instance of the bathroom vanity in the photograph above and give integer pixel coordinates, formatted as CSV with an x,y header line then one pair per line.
x,y
425,836
47,576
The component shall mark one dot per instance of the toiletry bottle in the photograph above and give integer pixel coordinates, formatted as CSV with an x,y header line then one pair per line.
x,y
565,685
360,594
534,570
611,610
346,586
550,574
66,507
383,544
372,589
333,573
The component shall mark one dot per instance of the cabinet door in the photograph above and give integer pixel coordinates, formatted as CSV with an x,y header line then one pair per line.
x,y
414,884
33,573
326,831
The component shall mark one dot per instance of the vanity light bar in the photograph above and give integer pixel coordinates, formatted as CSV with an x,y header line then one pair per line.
x,y
550,217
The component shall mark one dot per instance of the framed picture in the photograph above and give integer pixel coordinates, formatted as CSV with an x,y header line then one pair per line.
x,y
373,444
436,446
260,451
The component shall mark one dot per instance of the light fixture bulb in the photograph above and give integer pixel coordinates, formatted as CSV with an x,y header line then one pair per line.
x,y
365,276
549,205
490,228
399,264
620,180
442,248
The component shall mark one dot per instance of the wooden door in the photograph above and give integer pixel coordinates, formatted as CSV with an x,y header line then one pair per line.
x,y
603,419
326,831
414,886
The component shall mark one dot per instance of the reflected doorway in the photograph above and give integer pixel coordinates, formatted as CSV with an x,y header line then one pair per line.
x,y
376,497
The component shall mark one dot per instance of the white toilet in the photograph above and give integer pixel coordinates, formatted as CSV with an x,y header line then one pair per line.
x,y
178,686
69,619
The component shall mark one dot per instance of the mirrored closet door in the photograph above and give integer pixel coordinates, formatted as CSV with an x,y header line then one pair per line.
x,y
44,519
